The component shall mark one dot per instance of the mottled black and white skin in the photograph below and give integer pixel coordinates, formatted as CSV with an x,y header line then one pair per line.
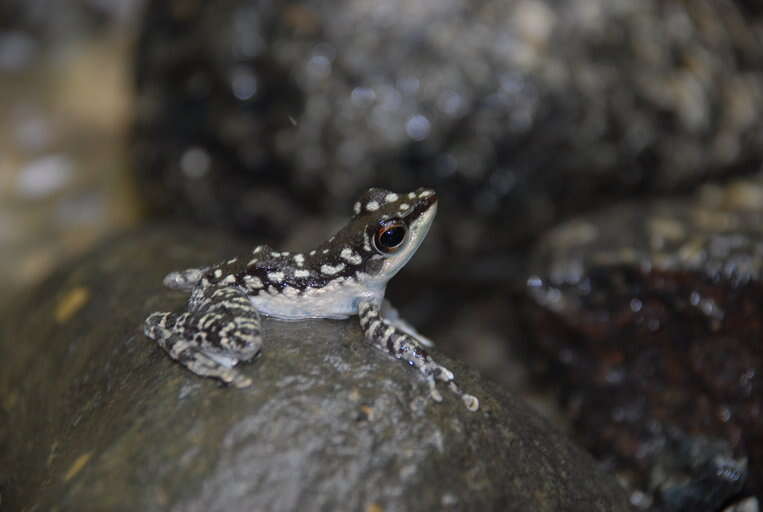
x,y
346,275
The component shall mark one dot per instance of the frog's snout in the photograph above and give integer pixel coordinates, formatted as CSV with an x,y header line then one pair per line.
x,y
425,197
426,193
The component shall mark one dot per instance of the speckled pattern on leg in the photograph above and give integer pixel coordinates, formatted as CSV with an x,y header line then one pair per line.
x,y
220,329
344,276
385,336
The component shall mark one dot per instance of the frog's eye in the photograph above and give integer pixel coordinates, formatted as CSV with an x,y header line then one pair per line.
x,y
390,236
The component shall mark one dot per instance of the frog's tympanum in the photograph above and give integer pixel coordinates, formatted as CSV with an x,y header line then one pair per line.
x,y
346,275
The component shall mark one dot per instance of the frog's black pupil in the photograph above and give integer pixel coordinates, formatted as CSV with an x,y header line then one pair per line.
x,y
392,237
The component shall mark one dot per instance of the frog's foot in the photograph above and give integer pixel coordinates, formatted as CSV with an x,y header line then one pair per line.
x,y
222,329
386,336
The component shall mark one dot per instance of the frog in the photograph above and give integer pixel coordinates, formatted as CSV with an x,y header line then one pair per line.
x,y
345,276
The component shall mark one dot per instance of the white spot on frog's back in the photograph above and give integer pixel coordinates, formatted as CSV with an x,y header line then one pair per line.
x,y
275,277
356,207
426,193
351,256
330,270
404,206
372,206
391,197
299,259
301,273
252,281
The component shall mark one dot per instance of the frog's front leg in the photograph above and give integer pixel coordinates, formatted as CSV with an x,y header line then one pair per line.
x,y
220,329
386,336
392,315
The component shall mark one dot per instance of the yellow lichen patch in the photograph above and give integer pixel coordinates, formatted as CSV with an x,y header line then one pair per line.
x,y
80,463
10,400
70,303
373,507
368,411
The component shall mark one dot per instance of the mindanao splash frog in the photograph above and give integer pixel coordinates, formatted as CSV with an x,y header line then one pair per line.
x,y
346,275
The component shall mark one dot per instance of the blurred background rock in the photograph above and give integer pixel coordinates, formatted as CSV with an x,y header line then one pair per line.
x,y
267,118
258,115
64,84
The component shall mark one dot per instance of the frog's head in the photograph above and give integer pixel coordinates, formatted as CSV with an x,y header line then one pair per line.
x,y
393,227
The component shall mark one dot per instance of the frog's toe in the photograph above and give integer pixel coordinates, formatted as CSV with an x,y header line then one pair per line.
x,y
233,377
433,392
241,381
156,325
471,402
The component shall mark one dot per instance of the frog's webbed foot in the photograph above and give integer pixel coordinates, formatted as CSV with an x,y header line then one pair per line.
x,y
392,315
221,329
385,335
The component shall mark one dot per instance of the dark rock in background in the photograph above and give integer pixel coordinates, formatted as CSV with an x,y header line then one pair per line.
x,y
650,316
95,416
257,115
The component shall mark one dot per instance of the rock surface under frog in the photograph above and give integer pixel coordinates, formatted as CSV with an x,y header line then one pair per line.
x,y
346,275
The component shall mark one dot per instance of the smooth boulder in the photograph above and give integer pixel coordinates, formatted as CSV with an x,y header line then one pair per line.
x,y
95,416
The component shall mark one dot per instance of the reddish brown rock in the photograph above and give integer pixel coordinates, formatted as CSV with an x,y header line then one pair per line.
x,y
650,314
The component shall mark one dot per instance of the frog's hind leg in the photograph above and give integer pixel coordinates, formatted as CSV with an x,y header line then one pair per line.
x,y
220,329
385,335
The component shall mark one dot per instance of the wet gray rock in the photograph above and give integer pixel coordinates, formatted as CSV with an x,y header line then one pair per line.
x,y
94,416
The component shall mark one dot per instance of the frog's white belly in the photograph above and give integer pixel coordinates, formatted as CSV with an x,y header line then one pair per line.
x,y
338,299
